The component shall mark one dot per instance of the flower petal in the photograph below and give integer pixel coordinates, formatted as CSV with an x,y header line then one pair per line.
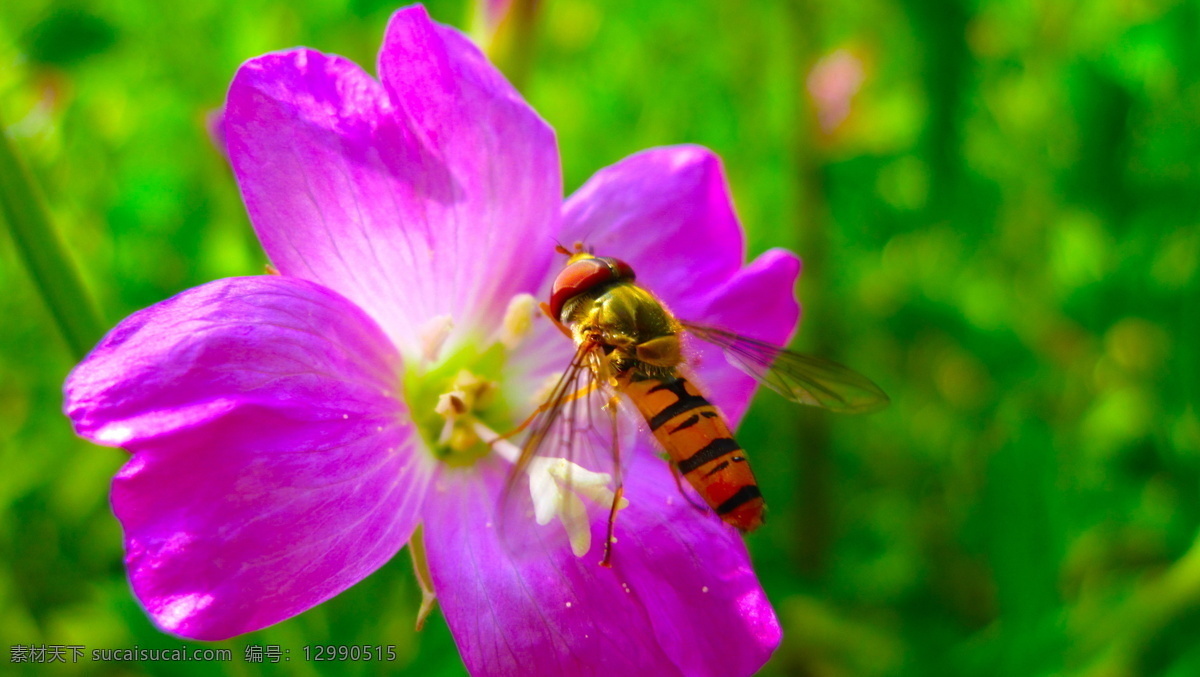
x,y
693,571
273,462
680,599
437,194
758,302
668,213
499,233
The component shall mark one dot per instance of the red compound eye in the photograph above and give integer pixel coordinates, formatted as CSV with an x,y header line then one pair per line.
x,y
624,270
583,275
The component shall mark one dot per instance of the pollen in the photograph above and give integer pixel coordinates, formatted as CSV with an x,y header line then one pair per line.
x,y
468,395
518,320
451,404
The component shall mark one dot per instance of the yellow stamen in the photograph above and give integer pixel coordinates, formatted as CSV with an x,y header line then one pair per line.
x,y
518,320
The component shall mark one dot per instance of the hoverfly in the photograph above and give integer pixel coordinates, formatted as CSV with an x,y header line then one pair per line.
x,y
629,344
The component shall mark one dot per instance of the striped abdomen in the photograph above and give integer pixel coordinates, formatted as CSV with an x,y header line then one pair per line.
x,y
701,446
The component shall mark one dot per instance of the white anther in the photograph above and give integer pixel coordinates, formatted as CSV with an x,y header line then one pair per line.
x,y
593,486
451,404
433,334
518,320
457,407
555,486
550,501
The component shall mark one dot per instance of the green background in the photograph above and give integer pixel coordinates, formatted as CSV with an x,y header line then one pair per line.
x,y
1004,232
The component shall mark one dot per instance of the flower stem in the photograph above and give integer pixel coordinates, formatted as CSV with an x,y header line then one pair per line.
x,y
816,462
507,32
39,245
416,548
1119,638
524,36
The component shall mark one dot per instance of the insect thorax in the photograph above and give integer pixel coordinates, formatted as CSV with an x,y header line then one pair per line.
x,y
630,324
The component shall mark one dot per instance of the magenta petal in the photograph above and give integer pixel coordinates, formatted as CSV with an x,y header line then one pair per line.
x,y
402,198
681,598
273,462
758,302
693,573
668,213
496,159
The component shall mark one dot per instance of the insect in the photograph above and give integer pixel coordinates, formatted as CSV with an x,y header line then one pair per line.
x,y
629,344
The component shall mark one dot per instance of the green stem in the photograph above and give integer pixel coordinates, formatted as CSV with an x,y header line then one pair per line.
x,y
44,254
511,42
815,479
524,37
1120,637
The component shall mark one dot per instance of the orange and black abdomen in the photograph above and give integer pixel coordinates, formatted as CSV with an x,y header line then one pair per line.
x,y
700,444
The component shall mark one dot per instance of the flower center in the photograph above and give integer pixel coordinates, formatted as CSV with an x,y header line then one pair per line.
x,y
449,396
448,399
460,411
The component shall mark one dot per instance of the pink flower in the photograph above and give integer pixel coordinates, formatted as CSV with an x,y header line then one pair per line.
x,y
833,83
493,12
284,430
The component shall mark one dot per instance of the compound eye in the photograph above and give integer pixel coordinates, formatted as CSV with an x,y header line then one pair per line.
x,y
576,279
624,270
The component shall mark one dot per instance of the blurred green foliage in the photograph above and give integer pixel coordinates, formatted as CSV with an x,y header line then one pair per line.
x,y
998,204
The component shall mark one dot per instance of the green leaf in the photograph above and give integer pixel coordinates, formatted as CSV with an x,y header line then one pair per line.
x,y
44,255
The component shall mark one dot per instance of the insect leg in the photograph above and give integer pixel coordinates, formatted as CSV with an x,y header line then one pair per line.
x,y
582,392
679,485
619,480
612,525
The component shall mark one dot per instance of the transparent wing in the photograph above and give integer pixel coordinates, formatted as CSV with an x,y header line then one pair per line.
x,y
559,420
572,439
805,379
